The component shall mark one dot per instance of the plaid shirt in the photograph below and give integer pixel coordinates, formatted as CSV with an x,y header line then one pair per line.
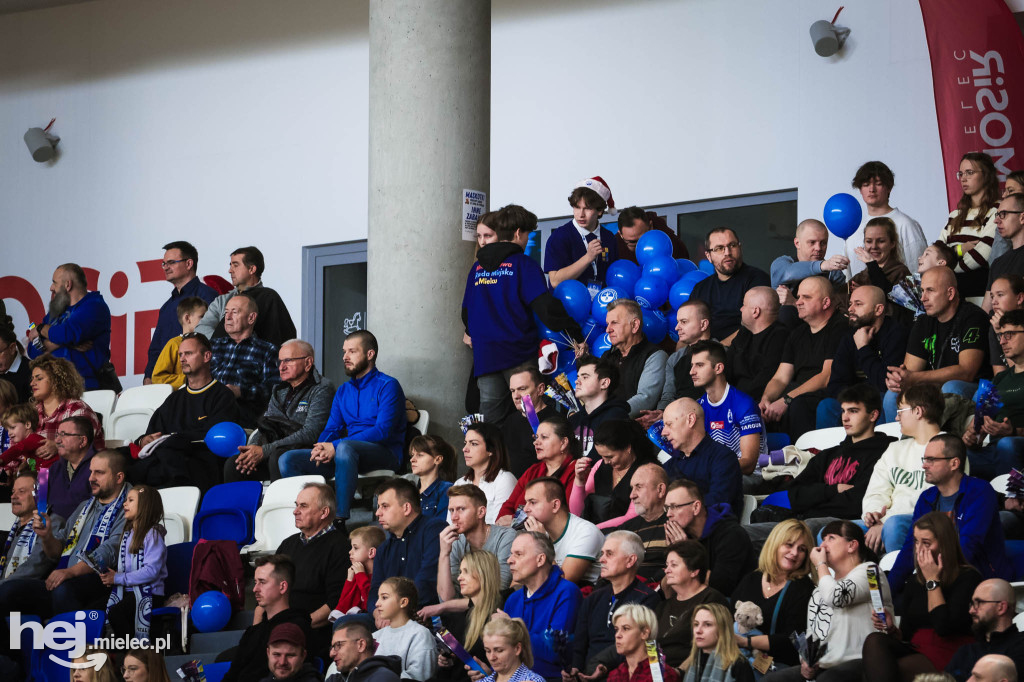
x,y
49,426
250,364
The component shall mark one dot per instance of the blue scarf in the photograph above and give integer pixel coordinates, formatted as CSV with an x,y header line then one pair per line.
x,y
26,538
100,530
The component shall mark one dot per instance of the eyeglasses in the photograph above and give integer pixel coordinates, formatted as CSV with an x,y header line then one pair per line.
x,y
1001,215
976,603
967,173
933,460
673,507
285,361
169,263
722,248
1008,335
64,434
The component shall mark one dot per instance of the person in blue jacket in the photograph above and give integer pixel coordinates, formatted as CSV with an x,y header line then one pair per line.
x,y
546,602
366,429
581,249
505,289
77,326
970,501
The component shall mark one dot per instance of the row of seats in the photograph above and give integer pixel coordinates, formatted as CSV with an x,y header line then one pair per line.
x,y
125,417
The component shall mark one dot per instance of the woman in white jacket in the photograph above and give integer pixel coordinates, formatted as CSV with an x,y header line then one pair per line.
x,y
839,612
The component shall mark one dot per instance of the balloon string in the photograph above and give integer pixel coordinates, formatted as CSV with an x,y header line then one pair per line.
x,y
48,125
837,13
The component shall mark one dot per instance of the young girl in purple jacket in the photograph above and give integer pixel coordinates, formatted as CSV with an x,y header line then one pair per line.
x,y
138,582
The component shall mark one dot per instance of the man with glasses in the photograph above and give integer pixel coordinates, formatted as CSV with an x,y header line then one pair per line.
x,y
352,649
13,366
971,503
179,264
244,362
948,345
992,612
730,552
1010,225
69,475
996,446
898,477
182,458
724,290
297,413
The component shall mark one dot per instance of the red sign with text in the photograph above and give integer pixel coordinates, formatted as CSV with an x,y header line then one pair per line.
x,y
977,54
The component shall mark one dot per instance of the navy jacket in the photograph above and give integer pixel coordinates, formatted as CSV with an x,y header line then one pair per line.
x,y
86,321
370,409
413,556
714,468
167,325
976,515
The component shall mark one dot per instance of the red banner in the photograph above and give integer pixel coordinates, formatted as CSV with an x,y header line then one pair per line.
x,y
977,53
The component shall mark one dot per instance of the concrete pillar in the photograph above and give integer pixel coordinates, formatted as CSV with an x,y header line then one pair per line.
x,y
430,119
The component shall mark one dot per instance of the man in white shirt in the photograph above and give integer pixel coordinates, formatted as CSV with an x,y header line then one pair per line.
x,y
577,541
875,182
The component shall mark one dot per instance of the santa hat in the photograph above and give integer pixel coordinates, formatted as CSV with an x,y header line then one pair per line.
x,y
547,359
598,184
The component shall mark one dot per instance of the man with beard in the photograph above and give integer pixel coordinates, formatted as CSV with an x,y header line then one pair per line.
x,y
366,429
875,343
77,326
725,290
992,612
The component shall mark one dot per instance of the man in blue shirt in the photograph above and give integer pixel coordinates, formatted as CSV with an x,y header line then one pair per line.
x,y
413,542
366,429
581,249
77,326
180,262
697,457
731,417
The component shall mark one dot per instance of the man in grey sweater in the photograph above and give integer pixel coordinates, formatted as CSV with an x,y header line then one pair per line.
x,y
23,556
298,411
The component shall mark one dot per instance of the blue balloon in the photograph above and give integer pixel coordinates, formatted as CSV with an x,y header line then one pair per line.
x,y
681,290
662,266
842,215
653,244
575,296
211,611
651,292
599,308
601,346
778,499
706,266
622,274
655,326
225,438
685,266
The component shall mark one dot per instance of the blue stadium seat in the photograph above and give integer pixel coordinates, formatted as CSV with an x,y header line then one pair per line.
x,y
777,441
215,672
179,569
228,512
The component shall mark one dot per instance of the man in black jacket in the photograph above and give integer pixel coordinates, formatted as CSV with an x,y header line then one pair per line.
x,y
273,581
992,613
596,382
834,482
352,650
516,432
641,364
875,343
756,351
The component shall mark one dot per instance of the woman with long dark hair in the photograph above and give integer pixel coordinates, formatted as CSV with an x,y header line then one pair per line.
x,y
971,230
601,495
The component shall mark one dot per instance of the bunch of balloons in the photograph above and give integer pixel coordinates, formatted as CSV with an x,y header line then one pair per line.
x,y
658,280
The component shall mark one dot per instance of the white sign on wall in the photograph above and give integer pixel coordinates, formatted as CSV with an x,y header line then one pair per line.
x,y
474,203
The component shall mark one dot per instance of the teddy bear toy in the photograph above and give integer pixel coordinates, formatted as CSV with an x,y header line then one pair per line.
x,y
748,617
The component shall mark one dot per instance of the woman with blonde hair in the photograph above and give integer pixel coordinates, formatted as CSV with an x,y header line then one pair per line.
x,y
881,254
714,655
781,586
635,625
507,645
480,582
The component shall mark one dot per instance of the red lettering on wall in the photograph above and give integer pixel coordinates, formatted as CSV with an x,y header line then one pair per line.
x,y
118,338
22,291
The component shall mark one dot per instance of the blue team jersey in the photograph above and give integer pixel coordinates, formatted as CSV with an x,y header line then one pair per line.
x,y
736,415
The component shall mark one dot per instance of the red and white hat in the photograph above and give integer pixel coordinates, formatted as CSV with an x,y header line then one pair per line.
x,y
547,357
598,184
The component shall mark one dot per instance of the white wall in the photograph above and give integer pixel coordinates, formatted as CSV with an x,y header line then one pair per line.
x,y
229,122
